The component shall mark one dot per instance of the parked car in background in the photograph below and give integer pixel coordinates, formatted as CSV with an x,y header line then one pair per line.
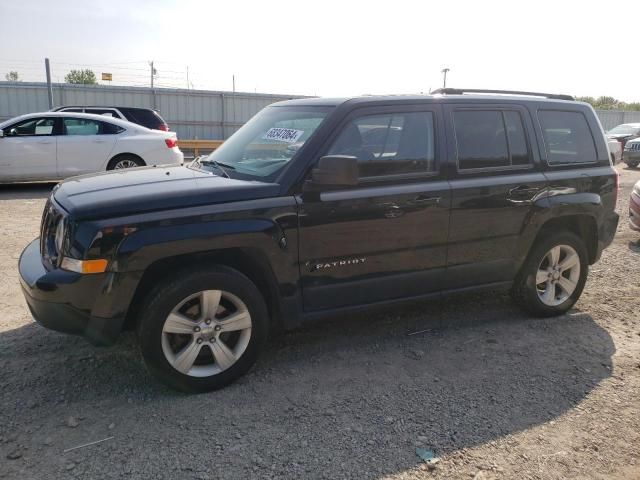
x,y
625,132
631,153
634,207
146,117
57,145
615,150
460,192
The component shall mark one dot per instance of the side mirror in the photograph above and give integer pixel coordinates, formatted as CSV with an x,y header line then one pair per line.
x,y
1,133
336,170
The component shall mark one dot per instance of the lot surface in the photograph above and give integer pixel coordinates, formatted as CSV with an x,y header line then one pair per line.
x,y
495,393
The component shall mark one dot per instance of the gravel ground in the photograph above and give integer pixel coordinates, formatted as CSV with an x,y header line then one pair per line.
x,y
494,393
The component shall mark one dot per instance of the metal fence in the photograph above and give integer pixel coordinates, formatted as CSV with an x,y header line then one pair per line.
x,y
193,114
611,118
201,114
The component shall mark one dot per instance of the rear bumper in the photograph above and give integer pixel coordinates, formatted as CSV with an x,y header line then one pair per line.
x,y
67,301
606,233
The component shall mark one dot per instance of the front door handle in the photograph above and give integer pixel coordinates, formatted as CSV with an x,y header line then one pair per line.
x,y
523,190
98,141
45,142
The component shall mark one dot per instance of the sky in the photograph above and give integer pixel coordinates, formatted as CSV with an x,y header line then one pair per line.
x,y
329,48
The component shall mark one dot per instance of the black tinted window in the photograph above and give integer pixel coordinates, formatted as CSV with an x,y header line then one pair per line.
x,y
110,129
518,148
481,139
490,138
567,137
389,144
147,118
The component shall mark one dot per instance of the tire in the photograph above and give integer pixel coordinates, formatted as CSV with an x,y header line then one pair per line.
x,y
550,297
168,354
125,161
632,164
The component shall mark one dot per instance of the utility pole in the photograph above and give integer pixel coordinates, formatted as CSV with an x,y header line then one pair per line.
x,y
187,77
233,79
47,68
444,80
153,72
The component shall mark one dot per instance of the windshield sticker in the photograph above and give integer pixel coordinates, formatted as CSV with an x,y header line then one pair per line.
x,y
288,135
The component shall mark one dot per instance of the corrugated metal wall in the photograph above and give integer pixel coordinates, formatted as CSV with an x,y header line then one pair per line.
x,y
611,118
201,114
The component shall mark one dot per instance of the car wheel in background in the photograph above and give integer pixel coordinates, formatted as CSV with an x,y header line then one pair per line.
x,y
202,329
553,275
125,161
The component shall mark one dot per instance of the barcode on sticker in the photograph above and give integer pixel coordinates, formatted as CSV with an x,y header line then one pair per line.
x,y
288,135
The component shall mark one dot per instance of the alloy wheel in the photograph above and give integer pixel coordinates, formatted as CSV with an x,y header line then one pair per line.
x,y
558,275
125,164
206,333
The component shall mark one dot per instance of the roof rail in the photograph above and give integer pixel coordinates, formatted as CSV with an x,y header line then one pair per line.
x,y
461,91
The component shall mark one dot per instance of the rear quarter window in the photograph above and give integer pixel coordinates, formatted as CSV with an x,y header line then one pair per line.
x,y
567,137
147,118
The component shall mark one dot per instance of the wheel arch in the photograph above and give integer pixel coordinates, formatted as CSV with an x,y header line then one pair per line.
x,y
582,224
117,156
250,262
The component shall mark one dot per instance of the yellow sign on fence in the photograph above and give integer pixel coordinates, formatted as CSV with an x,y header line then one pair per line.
x,y
107,76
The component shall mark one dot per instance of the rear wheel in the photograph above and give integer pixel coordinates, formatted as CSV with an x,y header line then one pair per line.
x,y
125,161
553,276
204,329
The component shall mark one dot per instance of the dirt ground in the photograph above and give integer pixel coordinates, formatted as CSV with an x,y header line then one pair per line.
x,y
493,392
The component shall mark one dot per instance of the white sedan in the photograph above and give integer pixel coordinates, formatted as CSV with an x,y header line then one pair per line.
x,y
57,145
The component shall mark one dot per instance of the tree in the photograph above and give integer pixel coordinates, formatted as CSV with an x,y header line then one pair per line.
x,y
85,77
12,76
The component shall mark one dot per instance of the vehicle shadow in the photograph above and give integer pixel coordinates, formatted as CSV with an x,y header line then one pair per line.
x,y
361,392
634,246
13,191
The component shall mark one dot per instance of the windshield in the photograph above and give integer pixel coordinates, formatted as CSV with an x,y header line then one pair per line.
x,y
265,144
625,130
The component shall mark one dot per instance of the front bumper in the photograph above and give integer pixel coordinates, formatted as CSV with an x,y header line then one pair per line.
x,y
69,302
631,156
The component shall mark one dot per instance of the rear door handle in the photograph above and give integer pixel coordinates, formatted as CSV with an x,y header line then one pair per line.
x,y
98,141
426,200
45,142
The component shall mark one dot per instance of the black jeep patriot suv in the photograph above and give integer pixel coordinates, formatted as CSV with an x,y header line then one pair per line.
x,y
323,205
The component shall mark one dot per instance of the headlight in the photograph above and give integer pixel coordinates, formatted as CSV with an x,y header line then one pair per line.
x,y
636,189
59,238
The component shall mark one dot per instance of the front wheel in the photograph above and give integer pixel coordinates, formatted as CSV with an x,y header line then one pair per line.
x,y
204,329
553,276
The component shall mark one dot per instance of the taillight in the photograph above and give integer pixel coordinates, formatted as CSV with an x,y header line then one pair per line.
x,y
163,126
171,142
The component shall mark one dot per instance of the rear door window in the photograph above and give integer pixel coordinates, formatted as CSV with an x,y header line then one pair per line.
x,y
567,137
490,139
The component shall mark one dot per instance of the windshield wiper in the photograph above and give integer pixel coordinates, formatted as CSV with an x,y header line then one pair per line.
x,y
216,164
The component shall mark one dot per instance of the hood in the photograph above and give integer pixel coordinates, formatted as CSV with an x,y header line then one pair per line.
x,y
619,136
127,192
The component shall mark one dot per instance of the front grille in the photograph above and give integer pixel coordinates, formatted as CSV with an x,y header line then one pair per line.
x,y
635,146
50,218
